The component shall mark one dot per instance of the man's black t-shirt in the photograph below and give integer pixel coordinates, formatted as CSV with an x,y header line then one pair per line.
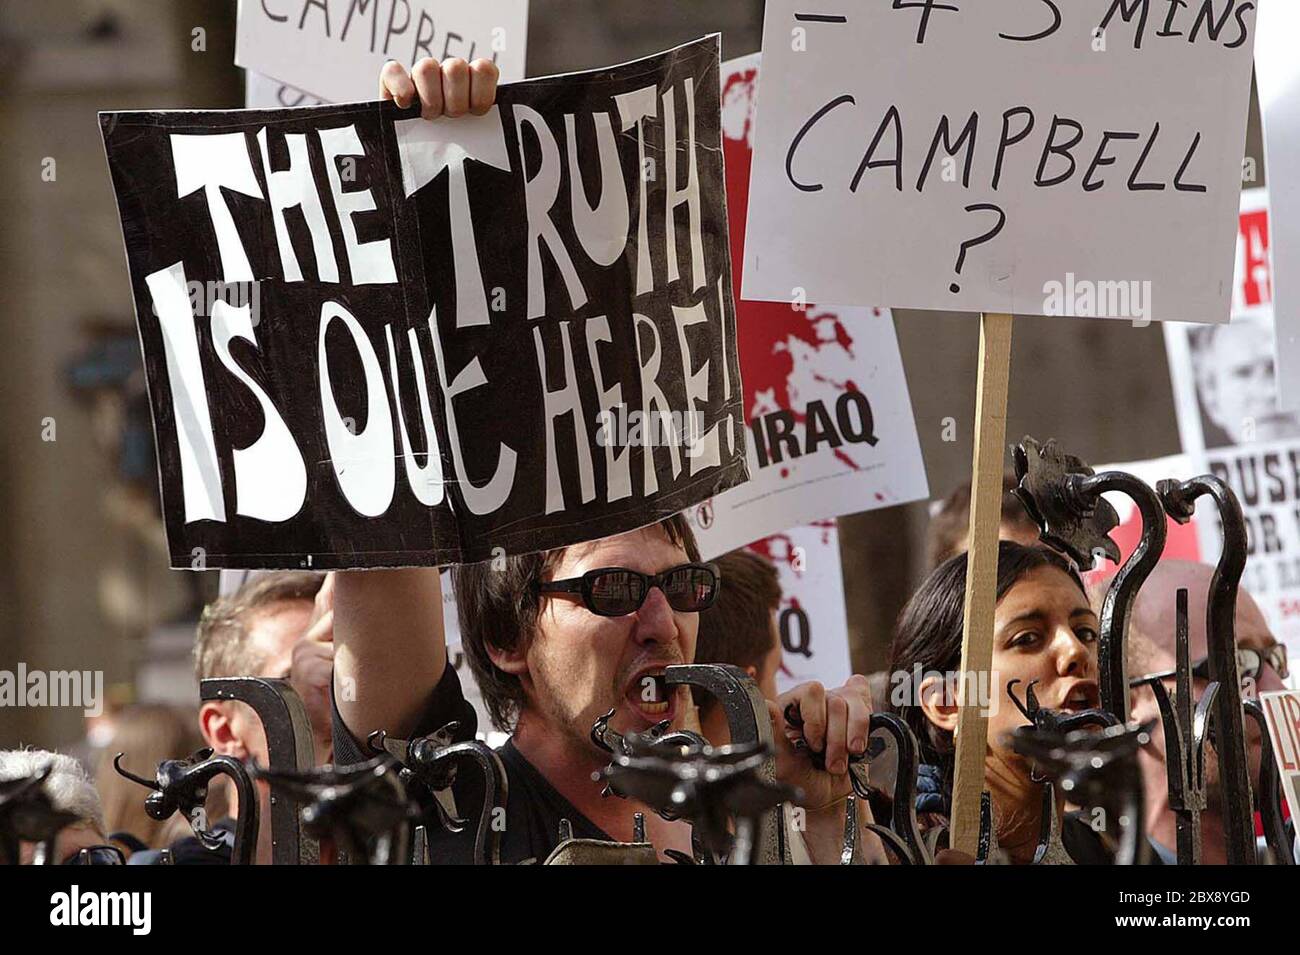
x,y
533,806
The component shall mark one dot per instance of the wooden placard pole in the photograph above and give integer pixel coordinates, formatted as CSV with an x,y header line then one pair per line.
x,y
981,575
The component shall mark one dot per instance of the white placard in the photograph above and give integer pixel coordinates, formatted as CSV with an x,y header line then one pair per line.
x,y
335,50
457,658
859,198
830,420
1277,72
812,620
263,92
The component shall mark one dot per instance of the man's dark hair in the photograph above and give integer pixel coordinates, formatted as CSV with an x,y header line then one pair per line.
x,y
946,536
929,632
737,629
497,604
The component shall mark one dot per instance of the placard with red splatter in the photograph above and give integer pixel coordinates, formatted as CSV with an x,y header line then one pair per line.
x,y
826,402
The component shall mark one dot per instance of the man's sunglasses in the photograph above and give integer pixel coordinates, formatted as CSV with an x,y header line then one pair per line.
x,y
617,591
1250,664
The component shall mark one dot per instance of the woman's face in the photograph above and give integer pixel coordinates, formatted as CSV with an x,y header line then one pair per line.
x,y
1044,631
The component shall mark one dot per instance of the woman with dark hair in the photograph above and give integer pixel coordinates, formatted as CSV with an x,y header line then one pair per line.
x,y
1044,631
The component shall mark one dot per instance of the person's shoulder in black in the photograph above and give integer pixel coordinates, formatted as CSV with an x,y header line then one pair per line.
x,y
529,829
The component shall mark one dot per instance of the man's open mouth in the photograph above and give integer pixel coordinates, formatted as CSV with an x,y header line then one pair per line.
x,y
648,693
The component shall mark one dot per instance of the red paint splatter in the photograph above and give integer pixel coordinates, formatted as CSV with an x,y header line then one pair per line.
x,y
767,547
845,459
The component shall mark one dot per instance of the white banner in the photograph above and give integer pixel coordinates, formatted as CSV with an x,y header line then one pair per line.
x,y
335,50
1042,158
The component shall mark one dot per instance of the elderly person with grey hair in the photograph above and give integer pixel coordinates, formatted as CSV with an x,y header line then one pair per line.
x,y
69,789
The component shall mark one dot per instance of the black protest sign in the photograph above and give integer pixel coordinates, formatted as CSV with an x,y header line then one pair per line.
x,y
375,340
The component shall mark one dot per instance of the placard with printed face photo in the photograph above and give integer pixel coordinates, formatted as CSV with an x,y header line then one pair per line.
x,y
1233,426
